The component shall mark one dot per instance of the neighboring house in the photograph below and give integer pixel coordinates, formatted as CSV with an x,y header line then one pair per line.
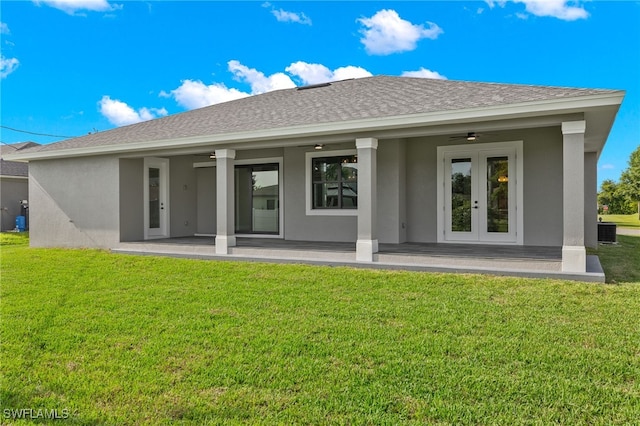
x,y
366,161
14,185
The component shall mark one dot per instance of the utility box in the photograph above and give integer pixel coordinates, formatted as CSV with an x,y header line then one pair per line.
x,y
21,223
606,232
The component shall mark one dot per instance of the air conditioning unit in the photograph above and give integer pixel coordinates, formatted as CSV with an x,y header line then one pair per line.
x,y
606,232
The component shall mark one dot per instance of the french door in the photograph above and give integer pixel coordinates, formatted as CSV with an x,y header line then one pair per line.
x,y
156,198
480,194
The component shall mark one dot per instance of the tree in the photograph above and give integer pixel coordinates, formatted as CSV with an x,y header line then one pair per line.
x,y
611,195
630,179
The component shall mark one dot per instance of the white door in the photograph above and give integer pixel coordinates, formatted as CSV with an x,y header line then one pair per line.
x,y
480,199
156,198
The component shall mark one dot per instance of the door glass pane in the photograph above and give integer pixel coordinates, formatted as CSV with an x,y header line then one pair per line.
x,y
498,194
266,200
257,199
154,197
461,195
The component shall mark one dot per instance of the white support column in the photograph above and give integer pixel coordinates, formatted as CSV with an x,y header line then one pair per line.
x,y
367,243
574,255
225,202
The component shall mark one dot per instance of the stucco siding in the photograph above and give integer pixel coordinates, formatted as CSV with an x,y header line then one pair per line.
x,y
421,175
391,177
74,202
183,196
299,226
131,200
12,191
591,199
543,187
206,193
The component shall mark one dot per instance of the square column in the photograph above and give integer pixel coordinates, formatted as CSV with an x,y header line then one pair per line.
x,y
574,255
225,202
367,243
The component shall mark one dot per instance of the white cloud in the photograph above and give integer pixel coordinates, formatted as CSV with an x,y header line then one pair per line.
x,y
424,73
554,8
286,16
561,9
4,28
72,7
257,80
318,73
195,94
386,33
121,114
607,167
7,66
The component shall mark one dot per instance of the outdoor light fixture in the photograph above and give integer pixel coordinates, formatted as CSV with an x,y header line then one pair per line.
x,y
471,136
212,156
318,146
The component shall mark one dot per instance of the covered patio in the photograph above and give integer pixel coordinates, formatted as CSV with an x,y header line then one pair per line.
x,y
507,260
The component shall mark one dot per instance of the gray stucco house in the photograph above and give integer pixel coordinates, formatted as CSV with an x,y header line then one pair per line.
x,y
371,162
14,184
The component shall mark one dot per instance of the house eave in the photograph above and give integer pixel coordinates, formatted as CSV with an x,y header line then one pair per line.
x,y
363,126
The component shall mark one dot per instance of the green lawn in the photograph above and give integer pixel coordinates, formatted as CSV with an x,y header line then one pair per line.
x,y
621,261
622,220
128,340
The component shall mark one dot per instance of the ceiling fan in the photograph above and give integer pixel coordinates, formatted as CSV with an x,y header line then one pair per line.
x,y
211,156
470,136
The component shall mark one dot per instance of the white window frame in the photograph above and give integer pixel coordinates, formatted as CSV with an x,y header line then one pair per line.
x,y
308,191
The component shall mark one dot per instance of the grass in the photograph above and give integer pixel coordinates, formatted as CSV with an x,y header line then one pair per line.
x,y
130,340
622,220
621,261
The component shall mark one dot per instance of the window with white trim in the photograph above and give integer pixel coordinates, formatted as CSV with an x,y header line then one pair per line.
x,y
332,183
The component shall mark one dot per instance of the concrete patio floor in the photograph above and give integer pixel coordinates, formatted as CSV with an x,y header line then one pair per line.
x,y
522,261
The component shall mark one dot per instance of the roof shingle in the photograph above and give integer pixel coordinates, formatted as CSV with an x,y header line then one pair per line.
x,y
365,98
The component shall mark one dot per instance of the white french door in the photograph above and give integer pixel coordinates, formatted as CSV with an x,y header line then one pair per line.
x,y
156,198
479,199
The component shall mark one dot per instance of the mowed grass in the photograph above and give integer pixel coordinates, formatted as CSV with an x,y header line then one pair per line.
x,y
620,261
622,220
130,340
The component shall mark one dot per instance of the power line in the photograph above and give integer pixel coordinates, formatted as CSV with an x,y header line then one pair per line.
x,y
37,134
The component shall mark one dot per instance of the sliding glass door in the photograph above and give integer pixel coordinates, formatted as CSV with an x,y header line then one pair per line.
x,y
257,199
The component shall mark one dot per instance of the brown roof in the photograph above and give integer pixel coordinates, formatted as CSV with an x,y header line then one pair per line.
x,y
342,101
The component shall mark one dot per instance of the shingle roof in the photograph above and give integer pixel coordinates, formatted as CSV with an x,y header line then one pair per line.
x,y
342,101
14,168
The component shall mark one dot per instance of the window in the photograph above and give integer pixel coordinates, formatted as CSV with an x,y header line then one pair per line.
x,y
331,183
335,182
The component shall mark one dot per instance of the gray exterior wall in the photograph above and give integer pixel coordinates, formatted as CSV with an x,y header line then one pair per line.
x,y
206,193
542,152
183,193
542,187
591,199
12,191
98,201
75,202
299,226
391,176
131,200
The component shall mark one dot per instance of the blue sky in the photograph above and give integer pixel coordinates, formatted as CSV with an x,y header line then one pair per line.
x,y
70,67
